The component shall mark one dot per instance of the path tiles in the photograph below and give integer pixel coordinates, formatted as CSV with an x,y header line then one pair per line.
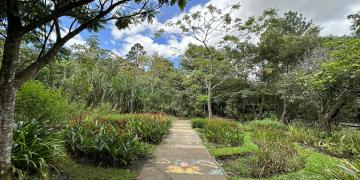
x,y
181,156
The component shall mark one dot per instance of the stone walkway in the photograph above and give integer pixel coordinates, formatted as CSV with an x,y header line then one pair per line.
x,y
181,156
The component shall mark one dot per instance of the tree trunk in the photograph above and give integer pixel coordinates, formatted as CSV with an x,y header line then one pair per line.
x,y
210,113
328,118
284,113
254,110
243,106
261,107
7,96
132,99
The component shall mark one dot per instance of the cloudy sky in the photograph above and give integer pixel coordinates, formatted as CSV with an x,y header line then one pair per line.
x,y
328,14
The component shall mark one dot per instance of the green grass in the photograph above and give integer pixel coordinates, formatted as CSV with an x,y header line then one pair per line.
x,y
247,147
84,172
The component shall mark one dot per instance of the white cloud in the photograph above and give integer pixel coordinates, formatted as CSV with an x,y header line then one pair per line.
x,y
329,14
78,39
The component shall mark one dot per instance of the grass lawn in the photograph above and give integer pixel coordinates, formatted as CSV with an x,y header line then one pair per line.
x,y
70,168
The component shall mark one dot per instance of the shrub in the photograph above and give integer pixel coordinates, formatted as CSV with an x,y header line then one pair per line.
x,y
36,101
198,122
103,143
223,133
275,157
150,128
34,147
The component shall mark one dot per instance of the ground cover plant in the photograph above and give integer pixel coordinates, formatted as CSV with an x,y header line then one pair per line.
x,y
269,152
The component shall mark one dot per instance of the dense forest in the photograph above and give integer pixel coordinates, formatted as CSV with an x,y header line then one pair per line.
x,y
272,66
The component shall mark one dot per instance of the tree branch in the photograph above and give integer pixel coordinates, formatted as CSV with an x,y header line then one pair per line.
x,y
35,67
57,13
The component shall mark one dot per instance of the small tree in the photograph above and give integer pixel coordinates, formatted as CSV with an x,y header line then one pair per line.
x,y
37,22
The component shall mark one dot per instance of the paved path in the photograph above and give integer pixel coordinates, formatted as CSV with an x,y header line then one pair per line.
x,y
181,156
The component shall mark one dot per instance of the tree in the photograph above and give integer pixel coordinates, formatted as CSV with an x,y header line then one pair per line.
x,y
355,18
214,29
337,82
134,56
210,74
283,46
38,21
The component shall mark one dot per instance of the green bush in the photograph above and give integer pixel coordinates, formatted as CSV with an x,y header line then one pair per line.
x,y
223,133
36,101
103,143
150,128
34,147
275,157
198,122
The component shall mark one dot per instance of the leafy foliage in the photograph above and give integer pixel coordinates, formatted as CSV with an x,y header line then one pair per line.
x,y
36,101
115,140
199,122
103,143
34,148
222,133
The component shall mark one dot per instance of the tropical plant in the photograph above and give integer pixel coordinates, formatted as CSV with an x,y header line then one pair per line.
x,y
103,143
34,147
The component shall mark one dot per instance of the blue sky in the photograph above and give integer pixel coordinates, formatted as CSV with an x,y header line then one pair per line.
x,y
329,14
166,13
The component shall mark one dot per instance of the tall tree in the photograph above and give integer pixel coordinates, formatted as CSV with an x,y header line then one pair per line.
x,y
213,28
134,56
285,43
42,19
